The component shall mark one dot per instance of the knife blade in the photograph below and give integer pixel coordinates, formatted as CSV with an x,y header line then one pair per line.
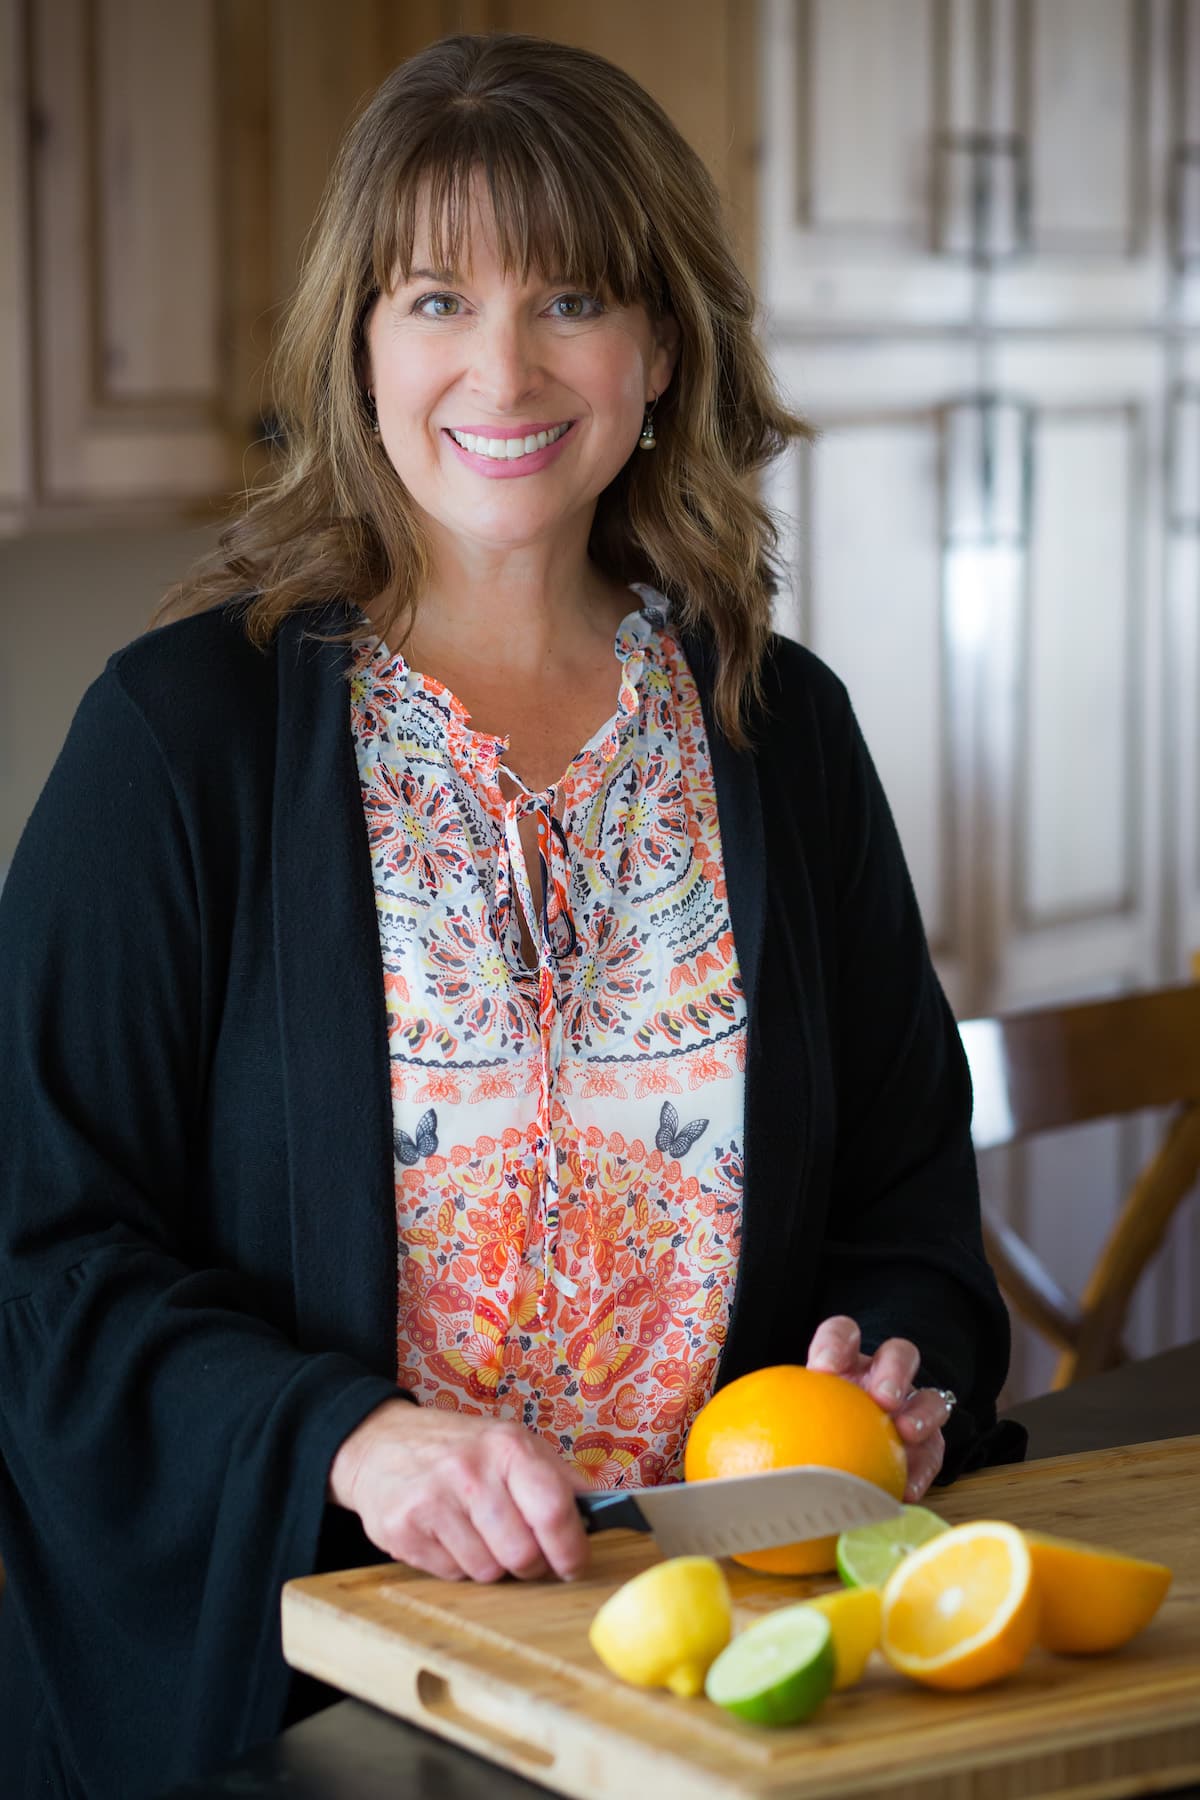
x,y
734,1513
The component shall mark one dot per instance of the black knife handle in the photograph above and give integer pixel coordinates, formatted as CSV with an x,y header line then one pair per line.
x,y
601,1512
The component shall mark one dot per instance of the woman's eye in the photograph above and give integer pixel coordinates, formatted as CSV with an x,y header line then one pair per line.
x,y
574,306
438,306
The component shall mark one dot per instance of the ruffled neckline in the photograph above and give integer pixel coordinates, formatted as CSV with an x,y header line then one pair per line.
x,y
478,756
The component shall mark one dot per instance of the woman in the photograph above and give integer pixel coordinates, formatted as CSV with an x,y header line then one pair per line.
x,y
467,1001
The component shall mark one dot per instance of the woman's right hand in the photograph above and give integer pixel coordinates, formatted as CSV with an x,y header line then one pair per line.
x,y
460,1496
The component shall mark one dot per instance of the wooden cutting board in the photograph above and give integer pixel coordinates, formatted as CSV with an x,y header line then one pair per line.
x,y
507,1670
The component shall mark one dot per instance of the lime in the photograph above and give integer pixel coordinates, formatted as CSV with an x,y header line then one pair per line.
x,y
854,1615
867,1555
663,1628
778,1670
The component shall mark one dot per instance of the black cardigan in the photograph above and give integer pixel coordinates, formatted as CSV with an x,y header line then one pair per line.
x,y
197,1229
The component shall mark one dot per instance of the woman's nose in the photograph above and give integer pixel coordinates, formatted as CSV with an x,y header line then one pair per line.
x,y
505,369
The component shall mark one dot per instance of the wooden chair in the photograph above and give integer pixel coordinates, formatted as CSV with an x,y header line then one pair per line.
x,y
1057,1066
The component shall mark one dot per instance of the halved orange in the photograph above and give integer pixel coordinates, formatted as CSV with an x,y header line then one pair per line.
x,y
962,1610
1091,1599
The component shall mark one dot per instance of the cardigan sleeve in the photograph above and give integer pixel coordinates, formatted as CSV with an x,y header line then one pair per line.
x,y
903,1253
164,1446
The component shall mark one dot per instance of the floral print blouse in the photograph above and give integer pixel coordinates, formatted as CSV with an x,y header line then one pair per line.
x,y
568,1138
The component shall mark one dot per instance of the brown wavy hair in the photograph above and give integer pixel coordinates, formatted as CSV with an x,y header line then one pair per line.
x,y
588,180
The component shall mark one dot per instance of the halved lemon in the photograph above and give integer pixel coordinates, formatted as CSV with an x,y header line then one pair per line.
x,y
854,1617
1091,1599
962,1610
664,1627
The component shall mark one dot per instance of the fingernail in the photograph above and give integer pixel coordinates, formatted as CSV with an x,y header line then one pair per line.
x,y
889,1391
826,1362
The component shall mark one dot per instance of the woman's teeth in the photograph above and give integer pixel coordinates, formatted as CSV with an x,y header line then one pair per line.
x,y
505,449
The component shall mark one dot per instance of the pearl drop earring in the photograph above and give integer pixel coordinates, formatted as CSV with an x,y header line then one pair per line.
x,y
648,440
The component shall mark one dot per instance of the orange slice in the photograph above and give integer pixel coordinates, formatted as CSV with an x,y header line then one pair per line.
x,y
1091,1599
962,1610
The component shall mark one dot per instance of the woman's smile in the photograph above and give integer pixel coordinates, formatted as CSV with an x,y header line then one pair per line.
x,y
501,451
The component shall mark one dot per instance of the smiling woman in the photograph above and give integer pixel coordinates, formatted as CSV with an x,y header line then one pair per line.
x,y
465,1002
553,167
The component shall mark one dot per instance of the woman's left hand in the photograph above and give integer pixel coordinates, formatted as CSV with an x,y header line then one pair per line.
x,y
888,1377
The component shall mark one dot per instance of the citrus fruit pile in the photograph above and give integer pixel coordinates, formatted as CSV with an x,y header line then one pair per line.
x,y
952,1607
959,1607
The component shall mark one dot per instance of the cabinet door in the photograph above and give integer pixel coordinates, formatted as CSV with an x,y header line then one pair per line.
x,y
1082,90
127,271
1073,723
864,513
858,223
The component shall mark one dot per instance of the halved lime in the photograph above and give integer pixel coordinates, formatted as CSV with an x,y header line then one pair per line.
x,y
867,1555
778,1670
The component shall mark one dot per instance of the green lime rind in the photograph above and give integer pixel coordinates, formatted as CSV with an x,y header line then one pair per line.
x,y
867,1555
777,1671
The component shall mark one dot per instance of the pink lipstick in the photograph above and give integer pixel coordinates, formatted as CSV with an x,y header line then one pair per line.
x,y
500,470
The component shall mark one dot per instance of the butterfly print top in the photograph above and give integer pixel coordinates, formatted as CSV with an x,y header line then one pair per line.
x,y
568,1138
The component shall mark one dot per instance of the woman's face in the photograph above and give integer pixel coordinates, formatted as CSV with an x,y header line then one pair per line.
x,y
506,406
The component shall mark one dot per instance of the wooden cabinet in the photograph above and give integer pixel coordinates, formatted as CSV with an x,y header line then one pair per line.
x,y
951,161
126,254
159,169
981,262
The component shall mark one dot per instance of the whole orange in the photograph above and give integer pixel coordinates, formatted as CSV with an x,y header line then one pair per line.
x,y
778,1417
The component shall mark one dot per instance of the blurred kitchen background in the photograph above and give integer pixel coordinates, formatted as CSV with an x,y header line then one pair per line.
x,y
975,225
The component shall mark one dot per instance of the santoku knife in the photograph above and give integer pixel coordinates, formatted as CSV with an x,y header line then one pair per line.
x,y
734,1513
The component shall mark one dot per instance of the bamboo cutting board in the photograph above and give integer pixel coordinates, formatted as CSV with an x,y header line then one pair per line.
x,y
507,1670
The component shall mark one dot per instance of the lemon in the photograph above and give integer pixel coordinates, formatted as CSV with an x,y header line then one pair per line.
x,y
867,1555
663,1628
854,1616
777,1671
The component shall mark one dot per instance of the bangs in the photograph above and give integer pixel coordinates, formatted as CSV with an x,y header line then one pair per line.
x,y
555,211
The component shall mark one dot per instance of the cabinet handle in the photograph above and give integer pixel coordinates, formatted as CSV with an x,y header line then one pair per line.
x,y
987,462
1183,204
982,201
1183,460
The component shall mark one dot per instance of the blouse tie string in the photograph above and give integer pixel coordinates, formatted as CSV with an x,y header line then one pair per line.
x,y
553,928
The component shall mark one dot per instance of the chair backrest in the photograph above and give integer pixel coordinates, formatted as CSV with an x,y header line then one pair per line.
x,y
1057,1066
1063,1065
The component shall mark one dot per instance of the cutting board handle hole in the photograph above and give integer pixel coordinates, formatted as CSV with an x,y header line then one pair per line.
x,y
434,1694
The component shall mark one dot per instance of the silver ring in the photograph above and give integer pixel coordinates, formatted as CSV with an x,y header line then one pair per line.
x,y
948,1399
